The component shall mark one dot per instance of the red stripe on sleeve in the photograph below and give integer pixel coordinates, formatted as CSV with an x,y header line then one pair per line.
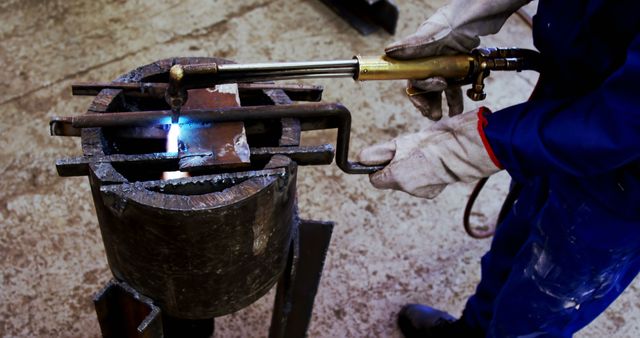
x,y
482,122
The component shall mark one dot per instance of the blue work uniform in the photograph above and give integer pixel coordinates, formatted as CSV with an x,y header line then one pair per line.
x,y
571,242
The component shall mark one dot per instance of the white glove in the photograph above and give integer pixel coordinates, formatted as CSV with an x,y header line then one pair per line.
x,y
453,29
424,163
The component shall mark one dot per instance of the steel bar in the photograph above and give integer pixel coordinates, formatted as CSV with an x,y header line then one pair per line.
x,y
337,113
139,89
302,155
309,155
297,92
79,166
62,126
159,117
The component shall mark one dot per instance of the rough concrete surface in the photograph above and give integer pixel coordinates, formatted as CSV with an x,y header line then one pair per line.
x,y
388,248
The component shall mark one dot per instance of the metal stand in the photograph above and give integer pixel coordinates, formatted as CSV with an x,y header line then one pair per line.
x,y
123,312
298,285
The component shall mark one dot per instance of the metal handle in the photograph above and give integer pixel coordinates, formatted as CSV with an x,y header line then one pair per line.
x,y
454,67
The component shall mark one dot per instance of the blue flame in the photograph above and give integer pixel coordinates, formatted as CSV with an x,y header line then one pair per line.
x,y
172,138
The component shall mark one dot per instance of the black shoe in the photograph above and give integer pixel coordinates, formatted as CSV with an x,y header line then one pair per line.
x,y
415,320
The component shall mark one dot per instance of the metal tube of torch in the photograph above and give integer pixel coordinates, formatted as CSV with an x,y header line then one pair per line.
x,y
359,68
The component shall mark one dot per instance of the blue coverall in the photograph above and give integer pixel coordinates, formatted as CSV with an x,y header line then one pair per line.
x,y
571,243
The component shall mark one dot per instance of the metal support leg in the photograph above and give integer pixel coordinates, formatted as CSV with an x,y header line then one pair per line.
x,y
299,282
123,312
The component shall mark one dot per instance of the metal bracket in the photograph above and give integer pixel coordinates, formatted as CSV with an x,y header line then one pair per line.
x,y
123,312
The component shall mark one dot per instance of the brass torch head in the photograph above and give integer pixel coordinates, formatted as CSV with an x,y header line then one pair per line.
x,y
175,95
176,73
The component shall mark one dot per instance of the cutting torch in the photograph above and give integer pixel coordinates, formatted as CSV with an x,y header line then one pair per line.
x,y
461,69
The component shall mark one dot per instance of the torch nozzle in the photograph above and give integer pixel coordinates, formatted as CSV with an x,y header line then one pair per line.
x,y
175,116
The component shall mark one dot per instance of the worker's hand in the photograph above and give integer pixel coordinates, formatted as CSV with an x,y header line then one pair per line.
x,y
424,163
453,29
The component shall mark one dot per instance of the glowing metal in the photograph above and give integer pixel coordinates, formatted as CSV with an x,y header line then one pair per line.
x,y
172,138
172,147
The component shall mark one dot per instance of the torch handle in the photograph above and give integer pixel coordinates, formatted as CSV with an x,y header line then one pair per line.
x,y
453,67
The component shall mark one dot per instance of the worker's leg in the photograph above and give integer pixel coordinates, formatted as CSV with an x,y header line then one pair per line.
x,y
574,264
511,235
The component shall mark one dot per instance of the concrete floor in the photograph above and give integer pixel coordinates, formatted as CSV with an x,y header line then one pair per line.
x,y
388,248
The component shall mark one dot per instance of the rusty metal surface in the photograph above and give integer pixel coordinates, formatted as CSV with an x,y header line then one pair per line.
x,y
225,143
200,247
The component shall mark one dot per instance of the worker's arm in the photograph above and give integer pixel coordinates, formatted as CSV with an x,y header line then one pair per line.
x,y
581,136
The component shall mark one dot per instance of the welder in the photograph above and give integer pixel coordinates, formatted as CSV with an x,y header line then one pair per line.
x,y
570,243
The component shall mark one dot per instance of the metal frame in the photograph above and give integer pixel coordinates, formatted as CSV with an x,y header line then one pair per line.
x,y
312,116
